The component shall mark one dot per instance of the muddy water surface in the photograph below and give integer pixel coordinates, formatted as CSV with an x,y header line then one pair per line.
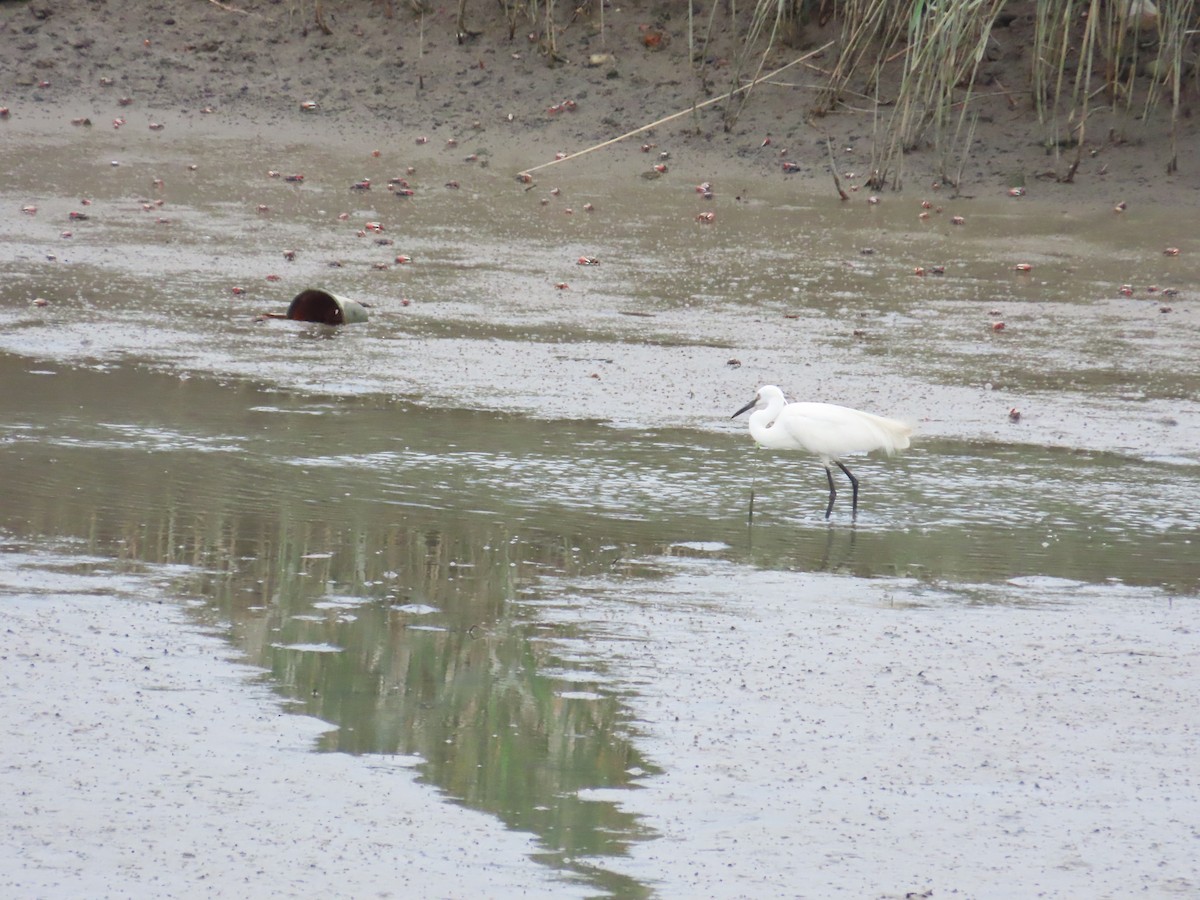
x,y
816,295
387,516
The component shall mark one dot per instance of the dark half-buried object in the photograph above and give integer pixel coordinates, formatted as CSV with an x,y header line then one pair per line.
x,y
315,305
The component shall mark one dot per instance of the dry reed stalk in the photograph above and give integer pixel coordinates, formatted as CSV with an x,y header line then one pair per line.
x,y
1081,96
756,29
964,153
691,32
865,25
511,9
551,37
1174,19
712,14
460,23
943,50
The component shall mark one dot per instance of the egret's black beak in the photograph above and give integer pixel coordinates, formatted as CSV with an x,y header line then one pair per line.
x,y
749,405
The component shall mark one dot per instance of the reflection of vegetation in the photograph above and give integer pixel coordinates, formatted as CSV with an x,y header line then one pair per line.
x,y
462,686
430,660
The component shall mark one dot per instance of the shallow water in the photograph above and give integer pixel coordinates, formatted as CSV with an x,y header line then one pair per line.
x,y
388,517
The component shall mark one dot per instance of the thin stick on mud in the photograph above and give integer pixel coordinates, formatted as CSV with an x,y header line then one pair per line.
x,y
220,5
319,15
688,111
1012,101
1069,178
837,182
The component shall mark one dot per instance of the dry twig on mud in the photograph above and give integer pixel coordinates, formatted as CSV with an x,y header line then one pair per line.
x,y
319,15
837,182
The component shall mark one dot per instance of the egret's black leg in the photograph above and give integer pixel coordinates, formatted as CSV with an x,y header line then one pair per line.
x,y
853,483
832,491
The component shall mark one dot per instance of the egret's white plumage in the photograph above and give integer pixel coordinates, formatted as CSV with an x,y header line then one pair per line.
x,y
824,429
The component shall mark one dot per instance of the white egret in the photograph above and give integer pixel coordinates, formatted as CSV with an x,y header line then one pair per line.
x,y
828,430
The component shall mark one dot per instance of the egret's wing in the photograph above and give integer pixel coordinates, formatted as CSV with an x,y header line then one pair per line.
x,y
833,431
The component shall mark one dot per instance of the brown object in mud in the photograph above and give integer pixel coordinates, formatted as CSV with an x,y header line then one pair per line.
x,y
315,305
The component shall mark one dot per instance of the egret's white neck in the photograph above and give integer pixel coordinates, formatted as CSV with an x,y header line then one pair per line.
x,y
761,421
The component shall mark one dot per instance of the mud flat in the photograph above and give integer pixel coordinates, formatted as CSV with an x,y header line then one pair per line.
x,y
1030,739
142,760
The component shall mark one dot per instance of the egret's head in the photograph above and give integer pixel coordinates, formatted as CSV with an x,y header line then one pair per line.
x,y
767,394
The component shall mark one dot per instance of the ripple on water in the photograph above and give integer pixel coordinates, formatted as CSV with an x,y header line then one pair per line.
x,y
309,648
416,609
